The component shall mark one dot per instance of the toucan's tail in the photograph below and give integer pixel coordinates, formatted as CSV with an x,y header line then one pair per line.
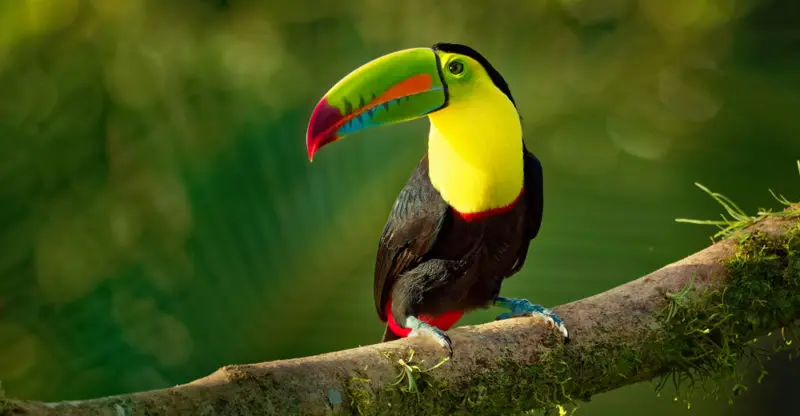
x,y
388,335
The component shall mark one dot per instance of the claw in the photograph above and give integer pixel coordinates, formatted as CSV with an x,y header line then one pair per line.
x,y
422,328
522,307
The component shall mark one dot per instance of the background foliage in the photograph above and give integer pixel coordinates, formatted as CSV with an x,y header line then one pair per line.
x,y
159,218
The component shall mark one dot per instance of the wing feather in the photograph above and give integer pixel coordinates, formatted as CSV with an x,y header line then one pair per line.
x,y
410,233
534,193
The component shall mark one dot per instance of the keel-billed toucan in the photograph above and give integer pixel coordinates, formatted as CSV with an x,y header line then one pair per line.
x,y
464,220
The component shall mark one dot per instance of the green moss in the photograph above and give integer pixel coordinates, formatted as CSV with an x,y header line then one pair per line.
x,y
709,340
505,387
697,343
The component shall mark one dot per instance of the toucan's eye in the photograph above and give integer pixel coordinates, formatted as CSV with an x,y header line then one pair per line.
x,y
455,67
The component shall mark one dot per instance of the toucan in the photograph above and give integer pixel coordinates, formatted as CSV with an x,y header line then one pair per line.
x,y
465,218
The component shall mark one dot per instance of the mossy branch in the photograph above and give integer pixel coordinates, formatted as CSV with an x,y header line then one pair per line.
x,y
691,323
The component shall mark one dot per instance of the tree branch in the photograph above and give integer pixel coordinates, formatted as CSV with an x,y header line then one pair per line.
x,y
694,318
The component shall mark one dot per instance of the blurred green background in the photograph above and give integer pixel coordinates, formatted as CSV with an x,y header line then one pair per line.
x,y
159,217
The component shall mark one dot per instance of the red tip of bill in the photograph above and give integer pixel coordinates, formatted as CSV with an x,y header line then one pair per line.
x,y
321,127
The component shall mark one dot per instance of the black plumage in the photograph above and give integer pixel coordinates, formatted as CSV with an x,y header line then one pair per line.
x,y
431,261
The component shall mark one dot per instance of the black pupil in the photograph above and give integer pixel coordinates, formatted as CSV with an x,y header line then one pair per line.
x,y
456,67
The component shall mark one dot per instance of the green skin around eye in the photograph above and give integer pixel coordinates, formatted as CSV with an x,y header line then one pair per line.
x,y
459,84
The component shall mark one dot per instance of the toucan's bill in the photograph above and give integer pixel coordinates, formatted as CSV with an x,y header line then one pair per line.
x,y
397,87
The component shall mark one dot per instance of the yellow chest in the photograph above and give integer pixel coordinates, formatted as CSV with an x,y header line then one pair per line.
x,y
475,156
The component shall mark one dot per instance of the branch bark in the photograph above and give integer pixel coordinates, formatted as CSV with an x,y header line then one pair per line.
x,y
634,332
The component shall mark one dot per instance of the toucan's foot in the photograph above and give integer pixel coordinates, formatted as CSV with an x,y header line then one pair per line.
x,y
422,328
522,307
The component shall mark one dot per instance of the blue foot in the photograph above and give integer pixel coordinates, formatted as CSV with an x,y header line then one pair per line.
x,y
423,328
522,307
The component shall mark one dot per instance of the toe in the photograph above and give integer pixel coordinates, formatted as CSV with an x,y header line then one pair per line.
x,y
435,334
503,316
564,331
444,340
447,344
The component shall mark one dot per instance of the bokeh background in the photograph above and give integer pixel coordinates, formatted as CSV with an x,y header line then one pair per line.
x,y
159,218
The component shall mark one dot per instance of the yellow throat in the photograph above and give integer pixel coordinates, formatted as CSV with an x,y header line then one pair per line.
x,y
475,152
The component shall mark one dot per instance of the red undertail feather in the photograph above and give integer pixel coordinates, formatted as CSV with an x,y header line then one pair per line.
x,y
444,321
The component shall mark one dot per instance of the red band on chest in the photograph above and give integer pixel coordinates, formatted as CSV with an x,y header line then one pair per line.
x,y
444,321
478,216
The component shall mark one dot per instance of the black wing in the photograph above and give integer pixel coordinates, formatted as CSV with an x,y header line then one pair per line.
x,y
534,193
411,231
534,203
